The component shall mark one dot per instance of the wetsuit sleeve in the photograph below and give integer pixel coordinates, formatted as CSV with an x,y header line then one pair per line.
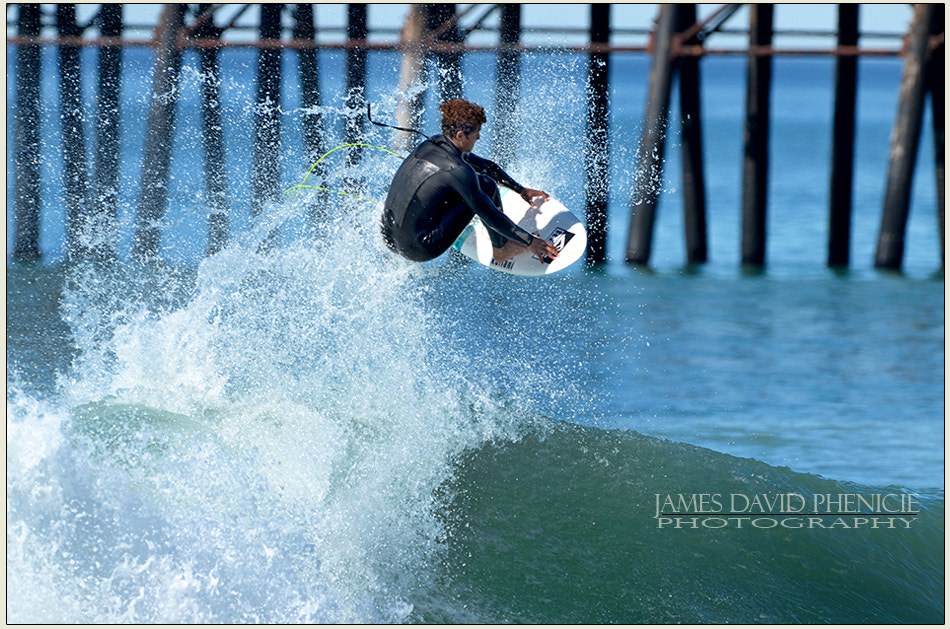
x,y
493,170
464,181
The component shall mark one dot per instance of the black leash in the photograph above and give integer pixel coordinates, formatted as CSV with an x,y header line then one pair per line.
x,y
369,115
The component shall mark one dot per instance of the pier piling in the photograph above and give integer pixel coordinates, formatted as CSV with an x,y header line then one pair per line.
x,y
937,84
106,205
842,147
756,155
79,227
442,18
412,73
674,23
597,151
266,172
905,138
156,162
650,152
216,178
305,29
356,31
507,85
355,123
26,243
90,186
694,180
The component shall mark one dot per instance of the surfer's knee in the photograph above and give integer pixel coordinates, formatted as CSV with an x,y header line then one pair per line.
x,y
489,187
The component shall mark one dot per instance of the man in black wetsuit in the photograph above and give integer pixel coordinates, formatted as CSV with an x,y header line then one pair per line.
x,y
441,186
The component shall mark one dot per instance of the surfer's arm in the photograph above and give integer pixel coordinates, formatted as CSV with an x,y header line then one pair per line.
x,y
495,220
466,184
493,170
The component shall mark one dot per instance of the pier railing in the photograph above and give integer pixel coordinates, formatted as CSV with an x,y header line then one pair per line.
x,y
676,41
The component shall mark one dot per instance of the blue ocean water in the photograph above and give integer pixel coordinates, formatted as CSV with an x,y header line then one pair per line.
x,y
314,431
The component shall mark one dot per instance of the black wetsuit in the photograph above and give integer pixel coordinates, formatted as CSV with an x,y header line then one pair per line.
x,y
435,194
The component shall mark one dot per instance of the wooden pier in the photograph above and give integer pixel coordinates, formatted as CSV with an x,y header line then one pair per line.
x,y
677,42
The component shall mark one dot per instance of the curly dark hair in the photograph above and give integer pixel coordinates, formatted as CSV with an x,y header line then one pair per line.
x,y
461,115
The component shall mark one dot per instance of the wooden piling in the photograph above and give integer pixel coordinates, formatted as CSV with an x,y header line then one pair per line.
x,y
91,211
156,161
650,152
842,147
936,76
26,239
216,177
356,31
905,137
412,73
265,176
75,175
449,63
597,153
355,122
106,205
305,28
507,86
694,184
756,154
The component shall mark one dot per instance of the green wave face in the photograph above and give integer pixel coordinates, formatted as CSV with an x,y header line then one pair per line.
x,y
563,528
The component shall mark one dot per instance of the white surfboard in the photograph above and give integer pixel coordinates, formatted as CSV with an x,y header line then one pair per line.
x,y
551,221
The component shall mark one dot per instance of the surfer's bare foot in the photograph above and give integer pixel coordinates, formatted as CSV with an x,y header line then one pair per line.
x,y
507,251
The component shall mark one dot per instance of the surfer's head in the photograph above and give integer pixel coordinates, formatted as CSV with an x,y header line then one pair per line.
x,y
461,115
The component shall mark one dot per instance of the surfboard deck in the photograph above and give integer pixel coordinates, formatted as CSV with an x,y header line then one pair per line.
x,y
551,221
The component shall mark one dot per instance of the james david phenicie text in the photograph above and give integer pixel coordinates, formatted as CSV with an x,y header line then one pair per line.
x,y
789,511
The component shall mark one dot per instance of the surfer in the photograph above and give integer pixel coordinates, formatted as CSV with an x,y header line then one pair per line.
x,y
442,185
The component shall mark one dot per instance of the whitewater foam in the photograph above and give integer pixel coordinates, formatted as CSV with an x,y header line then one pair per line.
x,y
267,446
267,435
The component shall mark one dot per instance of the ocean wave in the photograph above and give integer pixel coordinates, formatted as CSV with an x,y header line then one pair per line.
x,y
564,527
